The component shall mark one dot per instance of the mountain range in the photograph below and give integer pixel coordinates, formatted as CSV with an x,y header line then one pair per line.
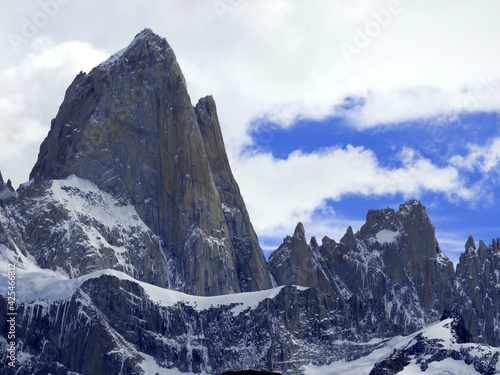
x,y
135,254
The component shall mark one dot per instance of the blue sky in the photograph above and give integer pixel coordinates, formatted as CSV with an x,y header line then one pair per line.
x,y
328,108
437,140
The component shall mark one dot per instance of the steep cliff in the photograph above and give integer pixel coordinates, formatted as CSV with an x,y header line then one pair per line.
x,y
478,290
127,138
394,260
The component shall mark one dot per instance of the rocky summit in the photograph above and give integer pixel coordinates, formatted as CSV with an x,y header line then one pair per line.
x,y
394,260
135,254
127,136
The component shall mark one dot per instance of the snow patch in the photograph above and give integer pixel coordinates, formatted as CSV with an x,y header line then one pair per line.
x,y
387,236
83,198
35,283
106,65
32,282
244,301
447,366
231,211
440,331
149,366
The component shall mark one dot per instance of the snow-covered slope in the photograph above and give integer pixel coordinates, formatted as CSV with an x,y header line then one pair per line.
x,y
73,227
34,283
436,349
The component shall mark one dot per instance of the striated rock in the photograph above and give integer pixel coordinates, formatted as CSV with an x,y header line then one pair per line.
x,y
115,325
295,262
478,290
250,262
394,260
129,128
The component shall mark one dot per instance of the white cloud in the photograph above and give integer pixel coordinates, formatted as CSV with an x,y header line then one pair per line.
x,y
285,62
484,158
279,193
30,94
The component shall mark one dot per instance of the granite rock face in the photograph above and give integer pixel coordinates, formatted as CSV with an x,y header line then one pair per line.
x,y
295,262
115,324
251,265
478,290
394,260
129,128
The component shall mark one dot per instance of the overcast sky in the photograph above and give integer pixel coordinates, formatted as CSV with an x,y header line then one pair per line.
x,y
328,108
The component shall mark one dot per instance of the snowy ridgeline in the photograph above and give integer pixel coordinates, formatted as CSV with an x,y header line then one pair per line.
x,y
41,287
432,350
34,283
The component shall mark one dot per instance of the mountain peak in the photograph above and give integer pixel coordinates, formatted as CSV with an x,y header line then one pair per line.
x,y
411,206
129,128
299,231
470,244
145,46
6,189
147,33
147,36
133,95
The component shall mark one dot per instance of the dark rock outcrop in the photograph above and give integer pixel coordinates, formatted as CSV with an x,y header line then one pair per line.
x,y
251,265
478,290
393,259
295,262
111,323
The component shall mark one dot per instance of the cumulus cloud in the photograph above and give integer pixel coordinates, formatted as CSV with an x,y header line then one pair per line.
x,y
485,158
282,192
287,62
30,94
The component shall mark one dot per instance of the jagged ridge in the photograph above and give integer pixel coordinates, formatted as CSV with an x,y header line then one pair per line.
x,y
394,261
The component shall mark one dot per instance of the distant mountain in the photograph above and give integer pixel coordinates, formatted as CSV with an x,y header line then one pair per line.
x,y
394,260
135,254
